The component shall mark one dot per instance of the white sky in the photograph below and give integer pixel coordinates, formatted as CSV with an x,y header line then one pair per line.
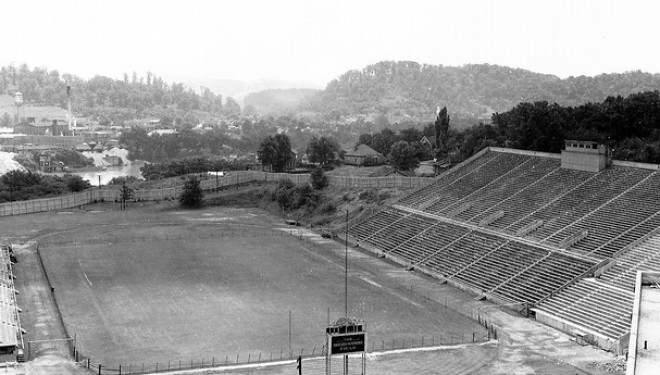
x,y
315,41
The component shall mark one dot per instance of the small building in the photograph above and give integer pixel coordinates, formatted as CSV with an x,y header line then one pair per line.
x,y
426,168
364,155
290,165
388,170
585,156
428,142
47,164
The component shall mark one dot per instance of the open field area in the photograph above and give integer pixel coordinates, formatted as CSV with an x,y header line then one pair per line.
x,y
156,284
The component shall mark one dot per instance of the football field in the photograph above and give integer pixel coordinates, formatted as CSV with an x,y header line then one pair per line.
x,y
143,287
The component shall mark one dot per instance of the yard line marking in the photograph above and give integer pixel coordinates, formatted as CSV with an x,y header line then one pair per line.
x,y
83,272
370,282
87,278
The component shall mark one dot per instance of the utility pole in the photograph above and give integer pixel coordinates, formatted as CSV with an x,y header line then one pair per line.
x,y
346,287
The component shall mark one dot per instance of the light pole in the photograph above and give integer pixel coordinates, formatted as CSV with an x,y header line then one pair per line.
x,y
346,285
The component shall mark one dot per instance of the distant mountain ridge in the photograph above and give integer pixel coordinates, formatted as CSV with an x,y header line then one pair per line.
x,y
239,89
409,91
279,101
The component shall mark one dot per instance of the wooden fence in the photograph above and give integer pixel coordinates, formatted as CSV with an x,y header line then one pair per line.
x,y
358,182
208,183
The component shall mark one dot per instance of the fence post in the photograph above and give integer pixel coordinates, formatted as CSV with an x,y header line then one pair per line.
x,y
99,369
119,369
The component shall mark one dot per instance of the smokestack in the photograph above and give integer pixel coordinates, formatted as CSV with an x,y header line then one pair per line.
x,y
68,102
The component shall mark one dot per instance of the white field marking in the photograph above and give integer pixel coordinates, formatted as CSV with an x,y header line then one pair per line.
x,y
370,282
87,278
430,348
84,274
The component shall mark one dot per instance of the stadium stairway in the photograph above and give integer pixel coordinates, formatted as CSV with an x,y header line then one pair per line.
x,y
603,306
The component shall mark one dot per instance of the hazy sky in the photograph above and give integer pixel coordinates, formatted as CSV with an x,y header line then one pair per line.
x,y
316,41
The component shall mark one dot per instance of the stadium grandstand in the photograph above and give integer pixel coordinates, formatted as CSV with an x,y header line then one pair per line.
x,y
10,328
557,236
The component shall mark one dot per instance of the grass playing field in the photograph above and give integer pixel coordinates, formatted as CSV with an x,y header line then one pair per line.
x,y
157,285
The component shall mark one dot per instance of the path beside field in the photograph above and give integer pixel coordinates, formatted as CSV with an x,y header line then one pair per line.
x,y
35,297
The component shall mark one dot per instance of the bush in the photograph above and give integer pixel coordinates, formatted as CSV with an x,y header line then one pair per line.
x,y
76,183
192,193
123,180
369,196
327,208
383,196
292,197
318,179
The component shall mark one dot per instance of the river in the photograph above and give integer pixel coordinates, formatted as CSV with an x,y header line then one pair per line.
x,y
108,174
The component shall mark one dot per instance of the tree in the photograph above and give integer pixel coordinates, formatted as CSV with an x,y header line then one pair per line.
x,y
126,194
403,157
321,150
192,193
411,135
383,141
276,151
441,130
136,141
231,106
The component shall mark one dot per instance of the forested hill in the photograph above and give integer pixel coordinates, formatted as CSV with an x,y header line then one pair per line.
x,y
116,100
411,91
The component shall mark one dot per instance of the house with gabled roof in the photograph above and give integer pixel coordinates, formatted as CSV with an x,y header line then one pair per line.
x,y
364,155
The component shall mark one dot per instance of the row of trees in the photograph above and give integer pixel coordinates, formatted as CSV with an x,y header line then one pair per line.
x,y
18,185
157,148
631,125
172,168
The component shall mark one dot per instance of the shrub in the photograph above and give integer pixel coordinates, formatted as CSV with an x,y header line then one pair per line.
x,y
327,208
369,196
318,179
76,183
192,193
